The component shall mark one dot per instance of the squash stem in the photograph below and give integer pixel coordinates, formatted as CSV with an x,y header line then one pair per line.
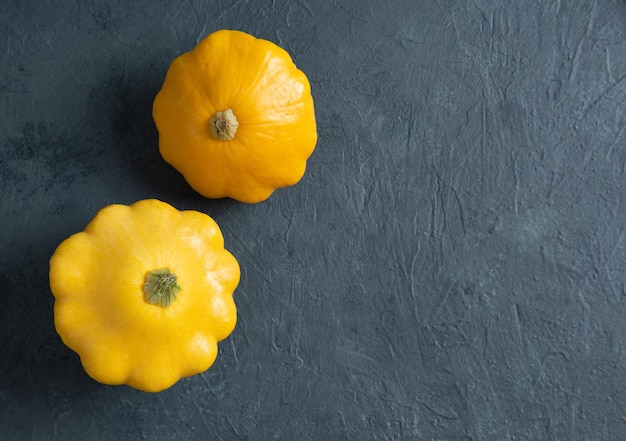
x,y
161,287
224,125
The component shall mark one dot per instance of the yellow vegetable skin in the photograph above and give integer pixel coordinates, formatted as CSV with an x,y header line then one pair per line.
x,y
144,294
235,116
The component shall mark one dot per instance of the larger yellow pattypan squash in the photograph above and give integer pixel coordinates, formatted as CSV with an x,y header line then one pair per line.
x,y
144,294
235,116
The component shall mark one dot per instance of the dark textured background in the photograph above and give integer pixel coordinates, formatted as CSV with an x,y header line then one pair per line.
x,y
451,267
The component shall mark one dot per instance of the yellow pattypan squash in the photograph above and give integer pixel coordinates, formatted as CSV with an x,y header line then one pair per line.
x,y
144,294
235,116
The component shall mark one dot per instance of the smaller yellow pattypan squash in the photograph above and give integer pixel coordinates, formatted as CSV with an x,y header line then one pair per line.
x,y
144,294
235,116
